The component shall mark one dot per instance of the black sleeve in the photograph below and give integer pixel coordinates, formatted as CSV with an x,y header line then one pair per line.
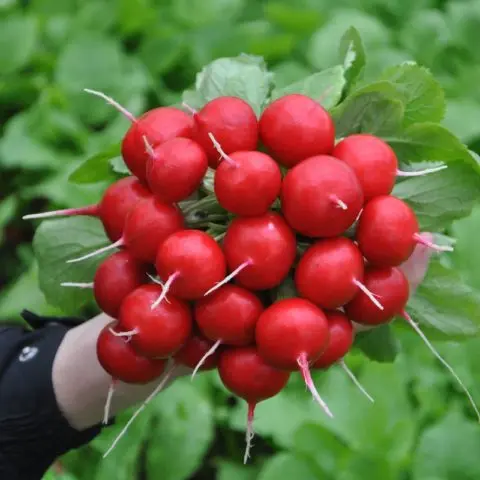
x,y
33,431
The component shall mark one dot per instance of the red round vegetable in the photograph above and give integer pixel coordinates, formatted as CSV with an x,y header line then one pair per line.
x,y
329,272
176,168
229,314
157,126
321,197
295,127
122,362
373,161
233,124
390,285
155,332
115,278
387,231
192,262
341,336
263,248
247,183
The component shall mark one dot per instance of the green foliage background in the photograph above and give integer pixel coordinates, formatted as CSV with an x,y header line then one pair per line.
x,y
145,53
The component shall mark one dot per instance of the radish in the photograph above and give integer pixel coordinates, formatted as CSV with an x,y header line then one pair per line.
x,y
387,283
194,350
148,224
374,162
321,197
123,363
259,250
116,203
330,273
115,278
247,183
175,168
190,262
388,232
244,372
228,316
291,334
158,332
157,125
341,336
233,123
295,127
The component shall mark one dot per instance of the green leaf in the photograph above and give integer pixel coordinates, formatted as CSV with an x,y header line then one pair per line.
x,y
18,40
429,142
245,76
118,166
185,423
461,118
448,450
325,87
442,197
466,255
57,241
227,470
352,54
383,429
22,293
446,304
424,99
8,208
285,466
97,168
378,344
292,17
20,149
204,12
375,109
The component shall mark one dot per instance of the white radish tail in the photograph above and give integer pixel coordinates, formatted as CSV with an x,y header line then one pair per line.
x,y
429,345
165,290
420,173
355,380
249,433
222,153
338,202
420,238
211,351
88,211
117,244
228,277
77,285
368,293
108,402
158,389
302,362
113,103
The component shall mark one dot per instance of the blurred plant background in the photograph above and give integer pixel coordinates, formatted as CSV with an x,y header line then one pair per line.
x,y
145,53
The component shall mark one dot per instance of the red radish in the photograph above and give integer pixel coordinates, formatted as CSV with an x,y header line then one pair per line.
x,y
175,168
388,232
190,262
116,203
259,250
228,316
247,183
374,162
148,224
123,363
244,372
321,197
387,283
158,332
231,121
330,273
295,127
291,334
341,335
158,125
115,278
194,350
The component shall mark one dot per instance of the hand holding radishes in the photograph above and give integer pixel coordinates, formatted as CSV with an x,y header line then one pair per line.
x,y
199,292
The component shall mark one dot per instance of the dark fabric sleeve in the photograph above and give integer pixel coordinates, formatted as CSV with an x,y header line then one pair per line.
x,y
33,431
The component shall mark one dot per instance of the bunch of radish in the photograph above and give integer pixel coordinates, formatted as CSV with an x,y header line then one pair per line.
x,y
289,202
